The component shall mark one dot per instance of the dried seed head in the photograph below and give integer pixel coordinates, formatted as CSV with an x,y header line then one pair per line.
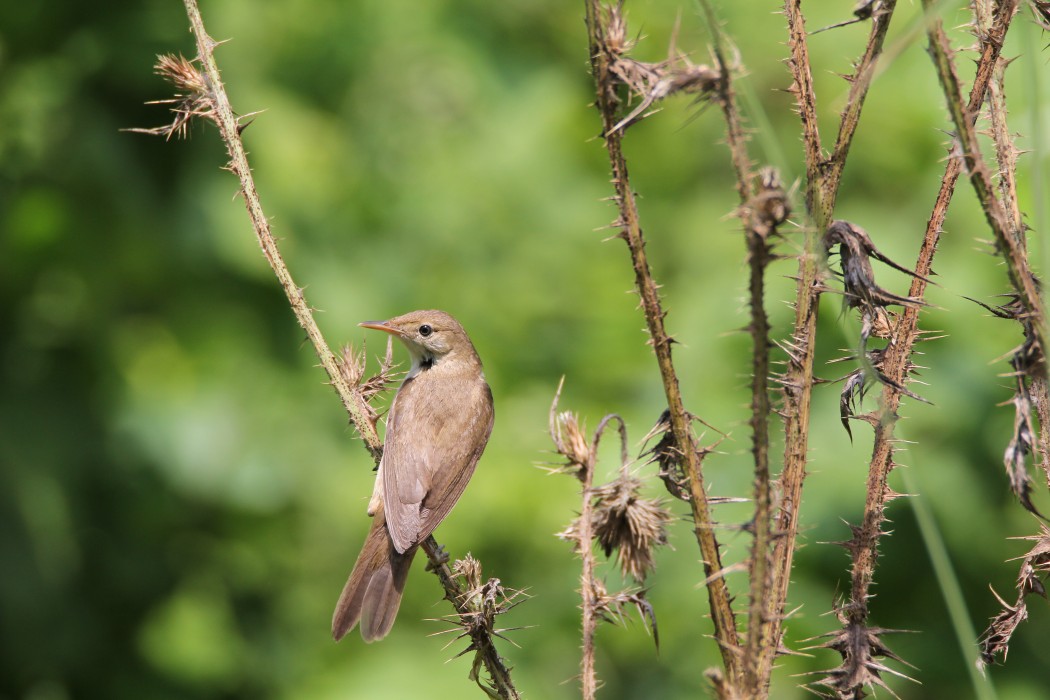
x,y
610,606
570,439
616,40
180,72
667,455
193,98
469,569
479,605
630,525
855,252
863,653
351,365
1030,579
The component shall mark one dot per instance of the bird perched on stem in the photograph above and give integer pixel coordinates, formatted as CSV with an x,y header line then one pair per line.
x,y
437,429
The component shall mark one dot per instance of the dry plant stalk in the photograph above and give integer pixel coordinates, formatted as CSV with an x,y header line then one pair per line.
x,y
607,41
1035,568
761,213
823,177
204,95
615,517
748,666
1025,304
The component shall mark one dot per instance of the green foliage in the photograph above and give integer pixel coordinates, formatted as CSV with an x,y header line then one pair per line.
x,y
180,496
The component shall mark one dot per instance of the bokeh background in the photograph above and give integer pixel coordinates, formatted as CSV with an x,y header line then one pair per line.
x,y
181,497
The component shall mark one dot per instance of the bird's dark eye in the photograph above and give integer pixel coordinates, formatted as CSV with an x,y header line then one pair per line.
x,y
425,330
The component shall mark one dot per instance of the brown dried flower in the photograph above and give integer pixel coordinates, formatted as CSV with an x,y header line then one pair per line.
x,y
1035,567
570,439
624,522
611,607
858,278
482,603
862,651
630,525
193,98
351,365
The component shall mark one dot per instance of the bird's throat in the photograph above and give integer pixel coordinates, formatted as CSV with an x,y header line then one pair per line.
x,y
421,363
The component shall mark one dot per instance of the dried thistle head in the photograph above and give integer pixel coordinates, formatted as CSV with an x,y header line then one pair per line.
x,y
632,526
478,608
569,437
1031,578
180,72
570,440
650,82
855,252
351,365
860,380
192,99
616,40
668,456
862,667
610,606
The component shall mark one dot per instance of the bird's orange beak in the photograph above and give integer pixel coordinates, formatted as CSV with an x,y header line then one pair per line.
x,y
381,326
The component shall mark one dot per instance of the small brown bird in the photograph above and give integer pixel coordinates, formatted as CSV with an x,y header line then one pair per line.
x,y
437,429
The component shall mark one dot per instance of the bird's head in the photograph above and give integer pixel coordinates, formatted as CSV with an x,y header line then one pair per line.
x,y
429,336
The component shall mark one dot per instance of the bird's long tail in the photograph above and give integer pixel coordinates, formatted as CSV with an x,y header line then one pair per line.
x,y
372,594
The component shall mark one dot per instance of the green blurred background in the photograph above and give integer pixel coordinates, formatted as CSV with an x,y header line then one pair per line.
x,y
181,497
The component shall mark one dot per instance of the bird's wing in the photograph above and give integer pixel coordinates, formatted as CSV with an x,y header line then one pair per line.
x,y
432,446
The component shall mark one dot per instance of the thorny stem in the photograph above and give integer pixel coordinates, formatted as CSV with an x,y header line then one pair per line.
x,y
721,610
498,671
798,377
588,676
759,647
823,179
1006,237
1006,157
899,350
351,396
860,81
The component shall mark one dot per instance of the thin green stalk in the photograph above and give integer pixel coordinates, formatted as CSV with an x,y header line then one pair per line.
x,y
948,582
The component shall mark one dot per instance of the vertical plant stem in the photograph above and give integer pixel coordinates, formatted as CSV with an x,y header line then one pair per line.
x,y
759,647
897,354
859,83
1006,238
798,377
630,230
823,177
588,675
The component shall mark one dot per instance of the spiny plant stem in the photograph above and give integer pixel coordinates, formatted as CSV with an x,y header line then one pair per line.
x,y
351,396
859,83
721,610
798,377
759,647
1006,238
823,179
588,675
